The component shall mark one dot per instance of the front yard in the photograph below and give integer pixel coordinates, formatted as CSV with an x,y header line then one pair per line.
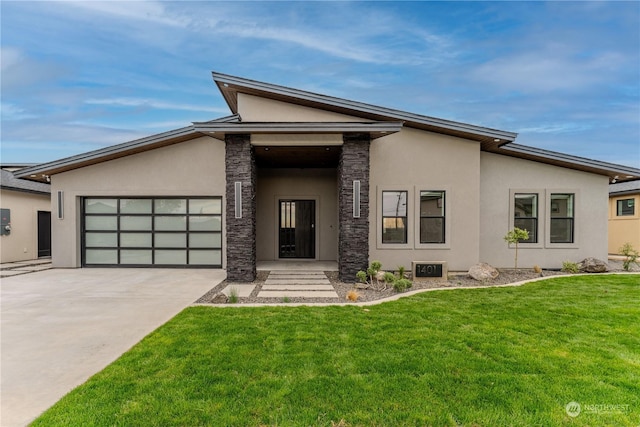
x,y
472,357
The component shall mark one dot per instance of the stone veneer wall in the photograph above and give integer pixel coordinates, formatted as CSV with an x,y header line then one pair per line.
x,y
240,166
353,233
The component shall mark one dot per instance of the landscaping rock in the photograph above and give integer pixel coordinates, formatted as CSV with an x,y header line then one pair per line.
x,y
380,276
483,271
220,298
593,265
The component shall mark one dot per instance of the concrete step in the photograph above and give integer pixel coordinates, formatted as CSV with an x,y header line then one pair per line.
x,y
297,287
298,294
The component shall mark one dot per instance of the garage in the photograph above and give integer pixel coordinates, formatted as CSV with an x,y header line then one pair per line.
x,y
144,231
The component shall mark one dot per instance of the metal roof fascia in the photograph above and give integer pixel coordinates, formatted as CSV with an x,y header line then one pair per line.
x,y
580,161
96,154
362,107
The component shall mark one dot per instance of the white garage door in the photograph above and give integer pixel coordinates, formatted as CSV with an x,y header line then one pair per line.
x,y
168,232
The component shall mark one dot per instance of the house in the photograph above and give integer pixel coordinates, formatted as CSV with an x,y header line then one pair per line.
x,y
25,231
624,215
292,174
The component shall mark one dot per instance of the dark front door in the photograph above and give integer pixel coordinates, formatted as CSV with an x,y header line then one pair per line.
x,y
297,229
44,234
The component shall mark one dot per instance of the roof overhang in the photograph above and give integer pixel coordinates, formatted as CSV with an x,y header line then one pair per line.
x,y
231,86
616,173
374,129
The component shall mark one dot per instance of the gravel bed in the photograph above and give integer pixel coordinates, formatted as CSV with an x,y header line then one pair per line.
x,y
455,280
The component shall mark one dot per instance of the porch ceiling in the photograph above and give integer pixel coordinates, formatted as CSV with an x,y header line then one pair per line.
x,y
298,156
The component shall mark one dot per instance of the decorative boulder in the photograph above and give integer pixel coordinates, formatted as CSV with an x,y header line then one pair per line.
x,y
380,276
220,298
483,271
593,265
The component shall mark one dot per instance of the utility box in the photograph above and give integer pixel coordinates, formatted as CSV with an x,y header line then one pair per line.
x,y
5,224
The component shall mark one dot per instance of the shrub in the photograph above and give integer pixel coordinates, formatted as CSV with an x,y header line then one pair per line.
x,y
570,267
352,295
631,256
362,276
402,285
389,277
537,269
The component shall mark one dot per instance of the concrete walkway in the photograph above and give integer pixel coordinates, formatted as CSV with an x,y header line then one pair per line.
x,y
10,269
59,326
297,284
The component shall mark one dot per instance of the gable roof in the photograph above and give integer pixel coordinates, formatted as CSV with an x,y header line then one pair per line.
x,y
378,121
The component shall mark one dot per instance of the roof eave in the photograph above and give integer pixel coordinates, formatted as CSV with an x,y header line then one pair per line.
x,y
615,172
39,172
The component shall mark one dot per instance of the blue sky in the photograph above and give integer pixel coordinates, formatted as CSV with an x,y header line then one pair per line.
x,y
78,76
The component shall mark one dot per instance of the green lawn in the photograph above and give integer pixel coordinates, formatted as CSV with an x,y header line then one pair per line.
x,y
472,357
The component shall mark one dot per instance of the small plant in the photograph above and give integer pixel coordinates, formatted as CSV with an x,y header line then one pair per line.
x,y
373,275
389,278
369,276
570,267
401,271
402,285
353,295
537,269
631,256
233,295
286,299
514,237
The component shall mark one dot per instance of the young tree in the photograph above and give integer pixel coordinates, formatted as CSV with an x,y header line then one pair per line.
x,y
514,237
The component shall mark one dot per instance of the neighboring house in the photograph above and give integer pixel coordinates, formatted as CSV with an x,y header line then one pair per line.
x,y
298,175
624,215
25,231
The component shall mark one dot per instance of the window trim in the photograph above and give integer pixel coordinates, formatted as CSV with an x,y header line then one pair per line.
x,y
379,218
632,214
447,217
406,217
577,208
535,236
540,219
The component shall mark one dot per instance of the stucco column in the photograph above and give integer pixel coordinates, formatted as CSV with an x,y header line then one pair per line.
x,y
353,236
240,167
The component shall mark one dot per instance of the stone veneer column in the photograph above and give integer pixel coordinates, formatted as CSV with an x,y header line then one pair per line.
x,y
240,166
353,233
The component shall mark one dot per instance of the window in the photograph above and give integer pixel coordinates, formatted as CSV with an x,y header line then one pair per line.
x,y
626,207
432,217
525,213
562,218
394,217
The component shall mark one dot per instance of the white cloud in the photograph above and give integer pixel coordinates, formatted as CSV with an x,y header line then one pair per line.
x,y
151,103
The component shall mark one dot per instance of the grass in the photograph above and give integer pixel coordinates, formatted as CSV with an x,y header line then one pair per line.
x,y
472,357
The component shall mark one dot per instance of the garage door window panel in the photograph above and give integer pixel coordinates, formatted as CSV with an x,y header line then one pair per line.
x,y
149,231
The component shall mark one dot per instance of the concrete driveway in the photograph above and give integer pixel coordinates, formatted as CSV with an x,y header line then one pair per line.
x,y
59,327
